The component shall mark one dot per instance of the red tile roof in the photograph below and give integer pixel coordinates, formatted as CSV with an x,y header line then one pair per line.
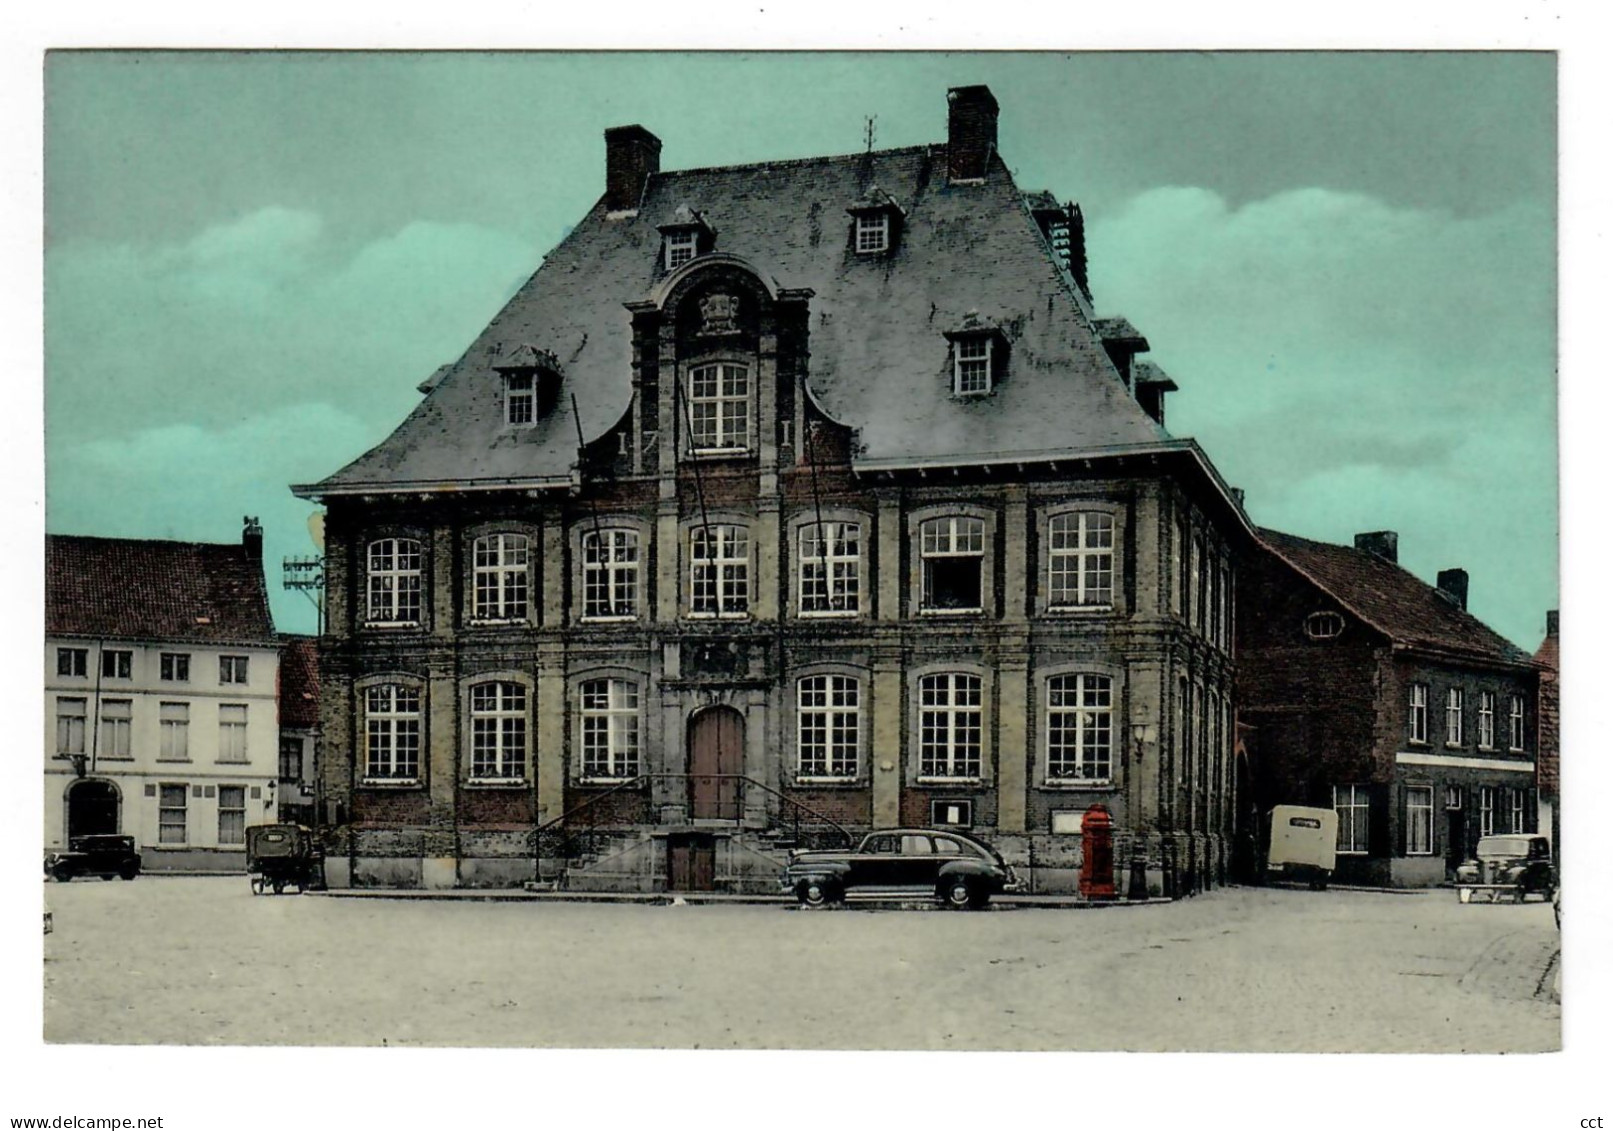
x,y
1404,608
136,589
299,682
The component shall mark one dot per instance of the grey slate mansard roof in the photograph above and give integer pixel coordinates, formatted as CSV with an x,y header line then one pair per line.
x,y
150,590
878,352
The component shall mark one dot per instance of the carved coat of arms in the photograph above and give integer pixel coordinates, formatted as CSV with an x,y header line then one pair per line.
x,y
719,314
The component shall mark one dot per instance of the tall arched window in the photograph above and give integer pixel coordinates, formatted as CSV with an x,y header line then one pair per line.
x,y
498,732
1080,728
499,568
392,733
949,726
719,407
394,581
609,709
827,708
1080,560
719,579
953,553
610,573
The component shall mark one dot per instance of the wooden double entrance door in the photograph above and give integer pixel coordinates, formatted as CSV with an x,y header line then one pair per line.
x,y
716,793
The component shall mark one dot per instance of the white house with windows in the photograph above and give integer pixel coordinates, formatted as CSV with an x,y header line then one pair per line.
x,y
784,502
161,672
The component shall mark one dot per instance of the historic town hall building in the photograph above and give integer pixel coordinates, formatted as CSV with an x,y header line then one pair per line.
x,y
783,499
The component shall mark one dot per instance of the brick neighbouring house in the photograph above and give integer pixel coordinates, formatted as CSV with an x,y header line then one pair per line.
x,y
298,698
783,496
1369,691
161,665
1549,772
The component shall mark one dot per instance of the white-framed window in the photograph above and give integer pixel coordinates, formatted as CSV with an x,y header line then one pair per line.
x,y
1515,799
719,577
174,667
971,375
173,723
392,733
830,568
1417,714
1486,810
520,399
232,669
70,716
719,407
609,709
117,718
498,731
1080,728
950,727
1081,560
873,232
1514,722
231,814
73,662
1453,716
681,247
171,813
953,553
499,572
232,732
1419,820
827,714
1354,810
394,581
116,663
1486,720
610,562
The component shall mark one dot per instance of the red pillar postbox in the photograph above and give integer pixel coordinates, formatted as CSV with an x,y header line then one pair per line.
x,y
1097,854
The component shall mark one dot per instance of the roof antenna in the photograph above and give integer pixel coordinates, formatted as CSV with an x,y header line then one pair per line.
x,y
868,131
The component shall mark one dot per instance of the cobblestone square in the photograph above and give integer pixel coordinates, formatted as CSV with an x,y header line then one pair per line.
x,y
202,961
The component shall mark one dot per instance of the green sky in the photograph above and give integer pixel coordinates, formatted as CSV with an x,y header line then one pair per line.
x,y
1347,261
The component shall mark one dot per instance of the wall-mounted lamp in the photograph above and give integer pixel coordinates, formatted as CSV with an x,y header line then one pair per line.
x,y
1142,737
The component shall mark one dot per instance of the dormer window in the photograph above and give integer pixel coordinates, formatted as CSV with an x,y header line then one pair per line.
x,y
680,248
684,237
873,232
531,385
520,399
972,367
978,353
875,221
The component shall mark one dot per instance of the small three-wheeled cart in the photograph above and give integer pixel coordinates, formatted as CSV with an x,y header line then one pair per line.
x,y
278,856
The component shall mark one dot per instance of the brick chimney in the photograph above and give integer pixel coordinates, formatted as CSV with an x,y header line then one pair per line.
x,y
632,157
1453,584
252,539
971,132
1551,622
1382,543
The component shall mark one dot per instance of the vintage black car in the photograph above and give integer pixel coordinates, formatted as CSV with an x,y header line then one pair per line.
x,y
281,856
102,854
940,863
1508,867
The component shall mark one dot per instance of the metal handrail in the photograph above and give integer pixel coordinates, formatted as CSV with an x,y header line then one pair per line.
x,y
589,830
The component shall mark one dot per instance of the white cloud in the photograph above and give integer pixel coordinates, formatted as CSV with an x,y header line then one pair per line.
x,y
195,484
1355,365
